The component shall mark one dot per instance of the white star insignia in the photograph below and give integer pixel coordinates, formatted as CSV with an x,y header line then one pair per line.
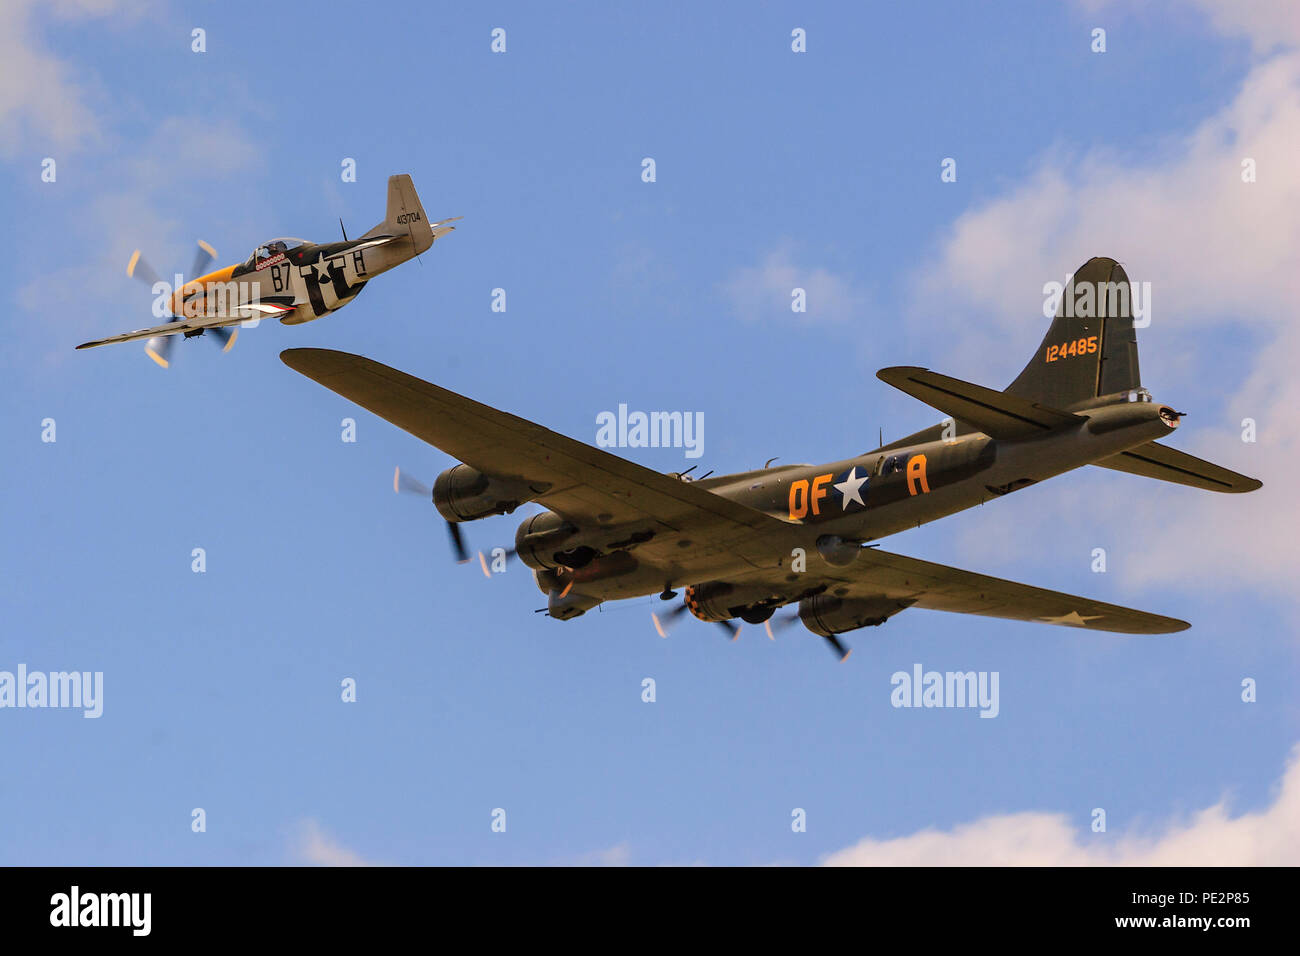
x,y
1074,619
322,268
850,489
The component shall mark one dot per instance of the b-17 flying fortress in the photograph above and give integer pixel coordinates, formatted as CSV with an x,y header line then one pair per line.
x,y
741,547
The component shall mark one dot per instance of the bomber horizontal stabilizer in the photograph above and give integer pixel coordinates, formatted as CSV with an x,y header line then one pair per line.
x,y
1153,460
996,414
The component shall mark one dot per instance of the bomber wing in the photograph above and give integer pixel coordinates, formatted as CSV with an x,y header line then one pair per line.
x,y
589,486
915,583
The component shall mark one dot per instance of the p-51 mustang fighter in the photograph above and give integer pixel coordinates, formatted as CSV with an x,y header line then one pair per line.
x,y
744,545
293,280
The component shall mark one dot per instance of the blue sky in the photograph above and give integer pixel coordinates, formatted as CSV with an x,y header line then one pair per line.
x,y
821,169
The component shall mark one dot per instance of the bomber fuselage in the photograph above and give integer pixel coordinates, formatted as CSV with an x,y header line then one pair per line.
x,y
832,509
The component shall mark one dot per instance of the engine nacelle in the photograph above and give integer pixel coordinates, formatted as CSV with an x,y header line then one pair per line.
x,y
463,493
546,542
720,601
826,614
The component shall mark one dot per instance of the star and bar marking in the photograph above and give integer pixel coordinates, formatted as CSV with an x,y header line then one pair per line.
x,y
1074,619
850,489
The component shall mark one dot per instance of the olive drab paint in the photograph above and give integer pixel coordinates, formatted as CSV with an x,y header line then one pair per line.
x,y
737,548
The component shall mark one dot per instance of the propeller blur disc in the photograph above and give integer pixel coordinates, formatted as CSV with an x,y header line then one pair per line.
x,y
404,482
158,348
138,268
202,259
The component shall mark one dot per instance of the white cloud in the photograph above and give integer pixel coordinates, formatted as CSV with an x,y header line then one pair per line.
x,y
1210,244
191,148
1211,837
1221,256
318,848
48,105
1267,24
134,212
765,290
1217,252
42,97
315,847
617,855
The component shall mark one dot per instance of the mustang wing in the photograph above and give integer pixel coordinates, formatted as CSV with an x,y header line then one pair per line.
x,y
916,583
171,328
588,486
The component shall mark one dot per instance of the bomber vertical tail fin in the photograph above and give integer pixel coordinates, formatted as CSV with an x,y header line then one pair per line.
x,y
1091,347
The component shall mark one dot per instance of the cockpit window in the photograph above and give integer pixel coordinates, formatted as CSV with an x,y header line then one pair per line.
x,y
273,248
893,463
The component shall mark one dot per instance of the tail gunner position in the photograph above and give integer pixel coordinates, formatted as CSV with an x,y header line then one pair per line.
x,y
614,529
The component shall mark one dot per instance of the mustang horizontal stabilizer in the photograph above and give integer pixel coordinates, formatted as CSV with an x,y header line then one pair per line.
x,y
938,587
996,414
438,228
1153,460
406,219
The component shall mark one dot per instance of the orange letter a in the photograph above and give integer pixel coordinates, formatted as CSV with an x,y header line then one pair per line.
x,y
916,474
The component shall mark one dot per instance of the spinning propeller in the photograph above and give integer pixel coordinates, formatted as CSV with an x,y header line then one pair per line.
x,y
773,625
403,483
779,622
664,622
159,347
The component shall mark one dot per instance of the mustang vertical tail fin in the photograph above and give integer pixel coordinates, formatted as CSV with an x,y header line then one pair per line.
x,y
405,215
1091,347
